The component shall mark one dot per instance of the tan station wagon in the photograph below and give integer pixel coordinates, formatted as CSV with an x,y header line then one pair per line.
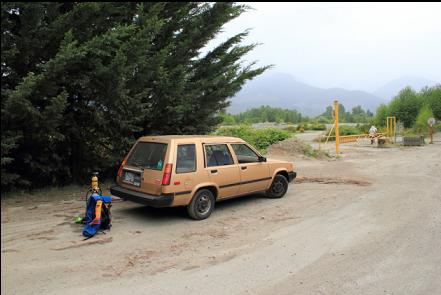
x,y
197,171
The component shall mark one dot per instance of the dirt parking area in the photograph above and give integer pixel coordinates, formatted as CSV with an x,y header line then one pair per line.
x,y
368,222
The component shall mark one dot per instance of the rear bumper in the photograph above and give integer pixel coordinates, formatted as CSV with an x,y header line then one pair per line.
x,y
291,176
164,200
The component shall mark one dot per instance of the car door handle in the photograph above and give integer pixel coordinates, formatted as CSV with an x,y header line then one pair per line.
x,y
244,167
213,171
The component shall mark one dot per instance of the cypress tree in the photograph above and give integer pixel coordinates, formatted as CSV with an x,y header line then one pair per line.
x,y
81,81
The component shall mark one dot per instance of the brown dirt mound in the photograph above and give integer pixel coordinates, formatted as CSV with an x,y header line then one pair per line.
x,y
293,147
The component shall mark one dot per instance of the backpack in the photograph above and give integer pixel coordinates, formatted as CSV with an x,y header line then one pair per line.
x,y
98,215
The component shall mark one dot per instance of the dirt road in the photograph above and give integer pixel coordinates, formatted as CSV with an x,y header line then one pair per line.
x,y
367,223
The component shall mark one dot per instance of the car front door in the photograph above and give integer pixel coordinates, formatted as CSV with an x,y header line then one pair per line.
x,y
254,175
222,170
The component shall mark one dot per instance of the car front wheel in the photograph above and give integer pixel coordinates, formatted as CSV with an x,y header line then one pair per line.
x,y
278,188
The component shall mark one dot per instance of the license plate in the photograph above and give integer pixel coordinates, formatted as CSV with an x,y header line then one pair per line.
x,y
132,178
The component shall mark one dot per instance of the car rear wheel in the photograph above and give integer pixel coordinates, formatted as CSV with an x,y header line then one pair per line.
x,y
201,205
278,188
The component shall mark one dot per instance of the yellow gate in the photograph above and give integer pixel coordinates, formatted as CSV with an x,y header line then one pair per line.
x,y
391,127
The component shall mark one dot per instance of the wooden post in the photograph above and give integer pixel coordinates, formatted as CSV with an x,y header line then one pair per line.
x,y
431,133
387,127
431,122
337,130
395,129
391,127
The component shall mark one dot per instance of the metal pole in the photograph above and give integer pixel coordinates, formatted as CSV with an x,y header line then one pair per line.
x,y
337,130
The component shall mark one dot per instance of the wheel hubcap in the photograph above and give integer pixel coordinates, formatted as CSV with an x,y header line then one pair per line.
x,y
204,204
278,187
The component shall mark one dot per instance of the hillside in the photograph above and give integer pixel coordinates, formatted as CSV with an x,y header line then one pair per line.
x,y
283,90
390,89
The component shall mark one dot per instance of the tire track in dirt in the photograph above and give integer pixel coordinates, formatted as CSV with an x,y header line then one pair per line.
x,y
76,244
332,180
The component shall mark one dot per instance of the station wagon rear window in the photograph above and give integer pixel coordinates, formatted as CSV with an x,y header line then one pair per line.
x,y
149,155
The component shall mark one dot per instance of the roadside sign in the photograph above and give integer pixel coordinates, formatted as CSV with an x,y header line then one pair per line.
x,y
431,121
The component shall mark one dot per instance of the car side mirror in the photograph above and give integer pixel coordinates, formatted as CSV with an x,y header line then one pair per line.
x,y
262,159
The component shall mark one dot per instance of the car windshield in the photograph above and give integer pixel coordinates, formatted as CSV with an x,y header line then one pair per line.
x,y
148,155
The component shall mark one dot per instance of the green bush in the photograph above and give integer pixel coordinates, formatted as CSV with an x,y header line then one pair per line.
x,y
364,128
432,96
302,127
310,126
316,126
349,130
346,130
259,138
421,126
290,129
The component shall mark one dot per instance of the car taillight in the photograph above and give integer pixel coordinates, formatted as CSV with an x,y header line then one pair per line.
x,y
167,174
121,167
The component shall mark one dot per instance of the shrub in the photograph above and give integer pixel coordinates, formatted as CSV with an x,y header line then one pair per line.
x,y
432,96
346,130
290,129
317,126
364,128
421,126
259,138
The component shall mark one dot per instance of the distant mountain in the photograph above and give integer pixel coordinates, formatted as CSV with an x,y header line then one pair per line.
x,y
389,90
283,90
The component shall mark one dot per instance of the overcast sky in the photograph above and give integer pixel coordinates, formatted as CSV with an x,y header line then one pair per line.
x,y
350,45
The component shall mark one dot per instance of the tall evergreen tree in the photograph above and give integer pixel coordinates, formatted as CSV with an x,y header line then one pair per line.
x,y
81,81
406,106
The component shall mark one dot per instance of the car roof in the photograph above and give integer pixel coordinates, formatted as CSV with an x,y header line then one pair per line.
x,y
203,138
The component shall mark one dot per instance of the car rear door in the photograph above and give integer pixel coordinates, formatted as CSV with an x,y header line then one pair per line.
x,y
222,169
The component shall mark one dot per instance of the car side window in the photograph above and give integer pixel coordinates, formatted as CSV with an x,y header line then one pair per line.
x,y
186,158
245,154
218,155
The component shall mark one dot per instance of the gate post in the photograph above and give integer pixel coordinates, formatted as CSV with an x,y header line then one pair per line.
x,y
337,130
391,126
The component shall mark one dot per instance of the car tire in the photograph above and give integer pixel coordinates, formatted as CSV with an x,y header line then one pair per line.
x,y
278,188
201,205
